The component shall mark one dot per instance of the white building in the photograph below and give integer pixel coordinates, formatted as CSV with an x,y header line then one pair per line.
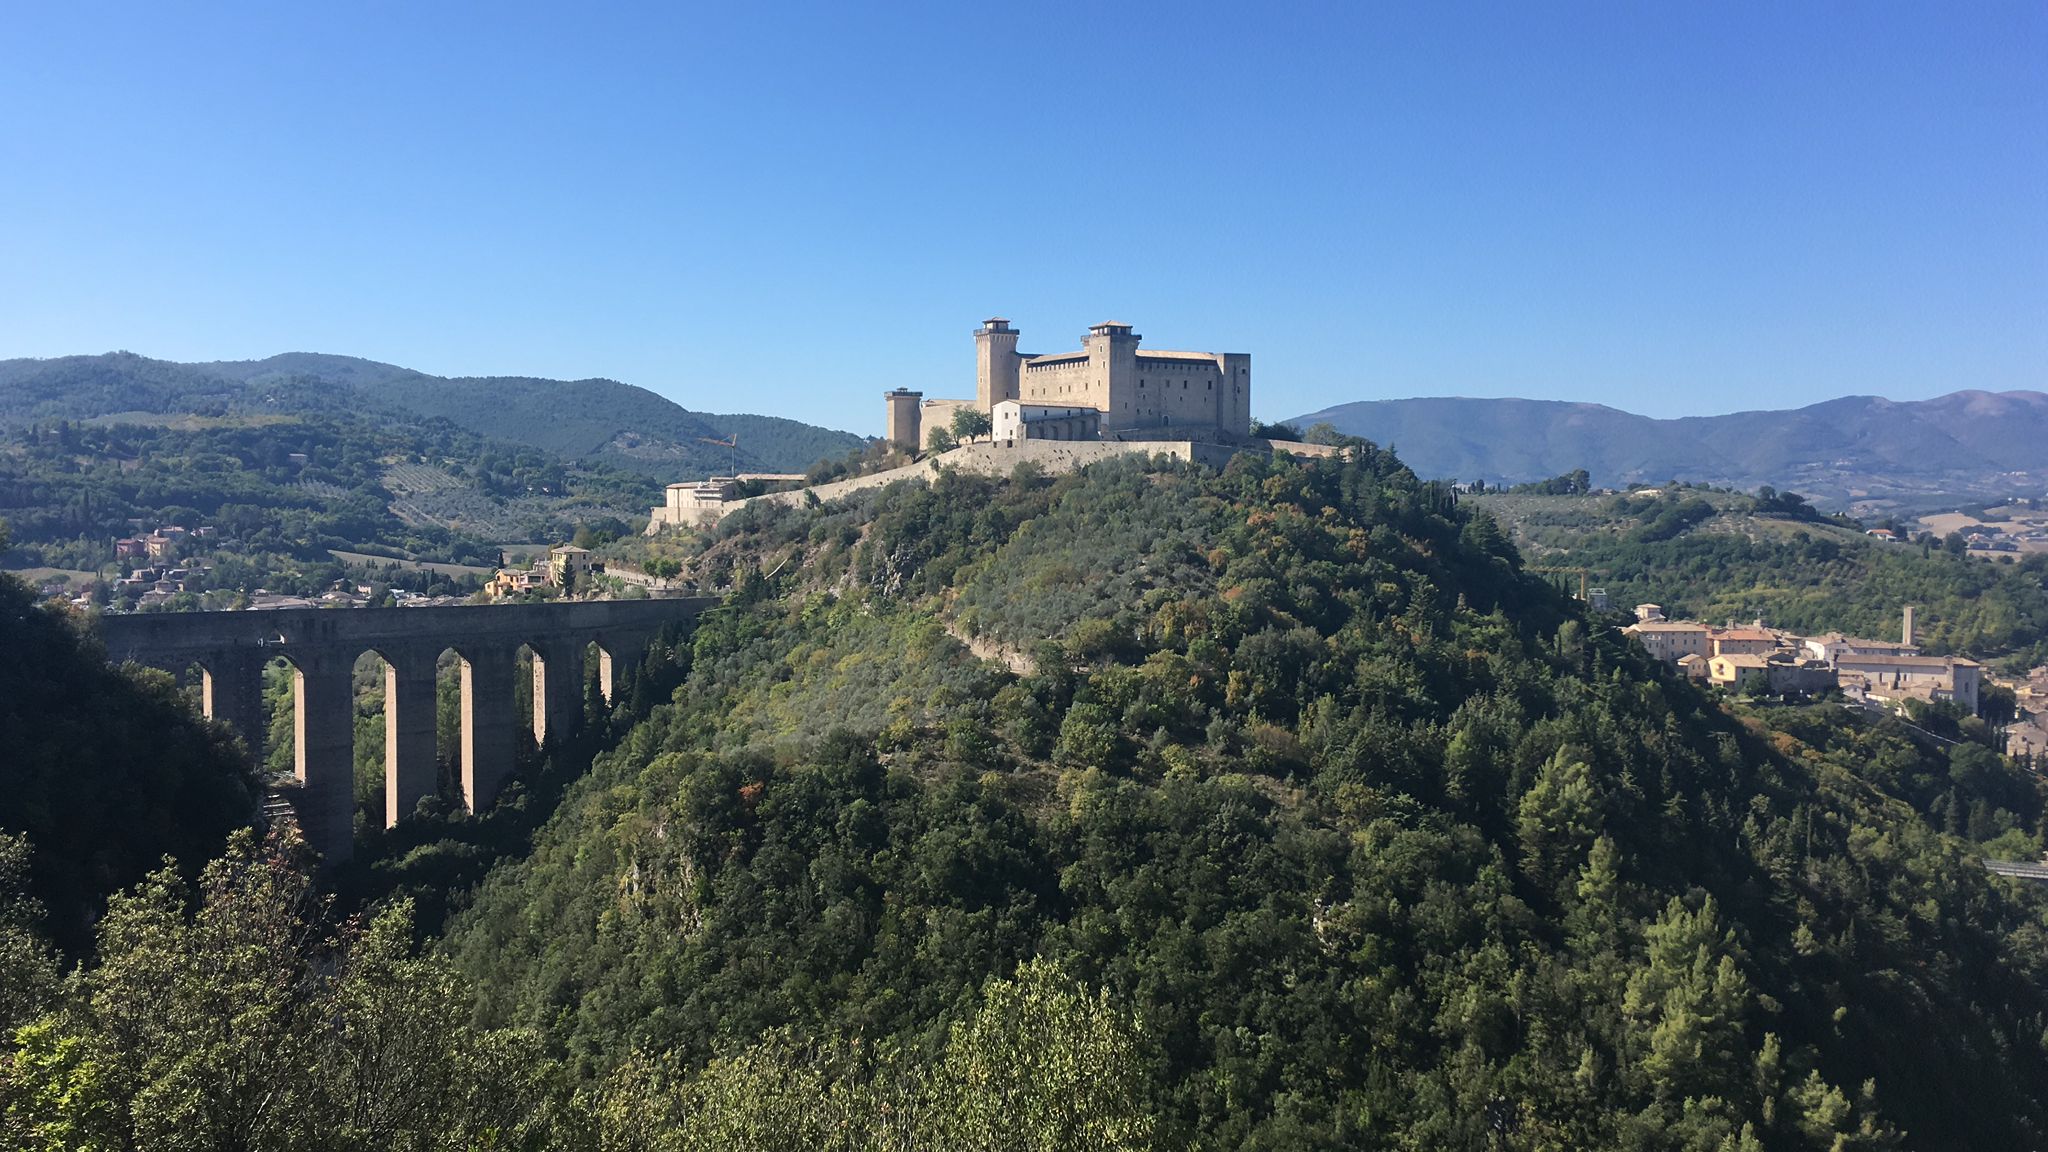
x,y
691,505
1013,420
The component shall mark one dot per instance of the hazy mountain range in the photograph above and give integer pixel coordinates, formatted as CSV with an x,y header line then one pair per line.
x,y
1854,451
599,420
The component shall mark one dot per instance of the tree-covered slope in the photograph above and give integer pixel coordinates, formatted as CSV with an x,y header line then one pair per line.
x,y
598,420
104,771
1379,842
1726,559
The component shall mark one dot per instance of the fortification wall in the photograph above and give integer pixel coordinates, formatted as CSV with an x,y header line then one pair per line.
x,y
1001,457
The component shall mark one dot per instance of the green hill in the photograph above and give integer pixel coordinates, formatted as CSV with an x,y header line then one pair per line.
x,y
596,420
1809,574
1310,819
1380,842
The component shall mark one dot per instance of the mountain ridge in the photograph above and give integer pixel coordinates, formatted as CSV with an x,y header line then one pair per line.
x,y
595,419
1858,451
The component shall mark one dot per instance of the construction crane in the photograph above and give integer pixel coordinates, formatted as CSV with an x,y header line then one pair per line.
x,y
733,442
1583,573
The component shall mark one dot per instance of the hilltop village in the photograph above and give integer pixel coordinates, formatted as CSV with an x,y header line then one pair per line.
x,y
1060,411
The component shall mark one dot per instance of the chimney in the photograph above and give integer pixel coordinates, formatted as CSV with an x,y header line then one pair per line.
x,y
1906,628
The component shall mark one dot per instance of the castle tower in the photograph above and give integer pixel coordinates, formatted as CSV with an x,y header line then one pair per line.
x,y
902,408
1112,367
995,364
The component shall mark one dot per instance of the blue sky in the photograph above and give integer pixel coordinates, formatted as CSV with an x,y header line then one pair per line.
x,y
1671,208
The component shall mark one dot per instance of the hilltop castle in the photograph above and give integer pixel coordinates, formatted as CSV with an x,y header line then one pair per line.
x,y
1109,390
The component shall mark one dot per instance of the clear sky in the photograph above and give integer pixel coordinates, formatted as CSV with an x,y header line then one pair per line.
x,y
1673,208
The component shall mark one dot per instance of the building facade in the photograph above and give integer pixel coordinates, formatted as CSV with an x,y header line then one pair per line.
x,y
1743,642
1137,393
692,505
1013,420
1926,677
1672,639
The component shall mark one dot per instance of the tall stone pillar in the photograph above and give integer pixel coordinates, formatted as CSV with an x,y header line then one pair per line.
x,y
614,656
233,694
488,744
557,689
409,706
324,731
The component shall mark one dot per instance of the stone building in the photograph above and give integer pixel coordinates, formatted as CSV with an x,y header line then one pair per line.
x,y
1672,639
692,505
1924,677
1137,393
1743,641
1018,421
569,564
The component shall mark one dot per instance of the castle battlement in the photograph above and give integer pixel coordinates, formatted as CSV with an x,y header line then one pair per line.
x,y
1158,393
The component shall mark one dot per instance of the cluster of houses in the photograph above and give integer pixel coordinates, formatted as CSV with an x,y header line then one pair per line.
x,y
160,581
345,594
1992,538
166,543
565,567
1785,663
2026,738
159,573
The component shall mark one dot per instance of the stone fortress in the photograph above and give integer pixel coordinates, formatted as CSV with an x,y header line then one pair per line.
x,y
1057,413
1109,390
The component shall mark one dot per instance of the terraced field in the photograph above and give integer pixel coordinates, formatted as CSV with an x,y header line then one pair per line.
x,y
422,494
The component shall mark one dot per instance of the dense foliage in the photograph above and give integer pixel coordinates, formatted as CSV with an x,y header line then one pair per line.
x,y
292,490
583,421
1146,807
1383,846
105,771
1801,574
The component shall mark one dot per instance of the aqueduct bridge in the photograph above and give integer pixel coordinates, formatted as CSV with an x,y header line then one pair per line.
x,y
322,646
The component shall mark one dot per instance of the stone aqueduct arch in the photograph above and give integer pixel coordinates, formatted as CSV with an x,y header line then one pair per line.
x,y
232,648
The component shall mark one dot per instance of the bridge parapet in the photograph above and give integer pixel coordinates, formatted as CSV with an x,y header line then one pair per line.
x,y
322,646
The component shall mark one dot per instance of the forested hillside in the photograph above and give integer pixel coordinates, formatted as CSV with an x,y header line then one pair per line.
x,y
281,494
1315,821
105,772
601,421
1716,556
1381,846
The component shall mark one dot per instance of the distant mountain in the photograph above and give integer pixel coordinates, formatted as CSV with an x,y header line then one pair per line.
x,y
1857,450
599,420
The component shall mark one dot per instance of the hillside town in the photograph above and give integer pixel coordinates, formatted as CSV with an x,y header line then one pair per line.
x,y
1783,663
1878,674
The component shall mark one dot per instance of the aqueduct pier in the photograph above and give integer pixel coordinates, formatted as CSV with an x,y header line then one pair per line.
x,y
322,645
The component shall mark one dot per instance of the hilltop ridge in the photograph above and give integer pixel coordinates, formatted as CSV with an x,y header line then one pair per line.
x,y
597,420
1861,452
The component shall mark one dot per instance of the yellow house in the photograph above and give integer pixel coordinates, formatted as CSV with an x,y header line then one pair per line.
x,y
1737,669
568,563
512,581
